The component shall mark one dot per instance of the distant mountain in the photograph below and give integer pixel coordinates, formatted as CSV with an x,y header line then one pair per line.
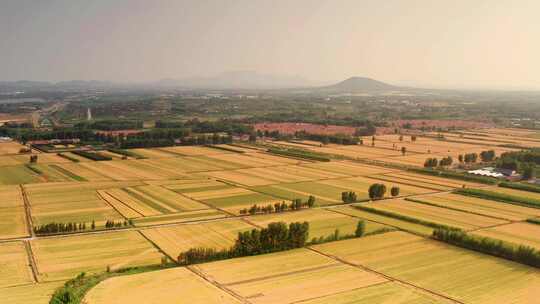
x,y
239,80
359,84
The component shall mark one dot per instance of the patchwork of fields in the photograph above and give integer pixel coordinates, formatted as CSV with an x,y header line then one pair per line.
x,y
173,199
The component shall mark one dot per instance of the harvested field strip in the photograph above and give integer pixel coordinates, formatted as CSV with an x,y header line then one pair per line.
x,y
152,153
434,180
29,294
349,168
13,222
275,264
164,286
212,164
243,160
274,158
298,286
171,198
461,274
141,197
182,217
286,194
12,175
307,194
420,201
516,233
175,239
422,184
14,265
87,173
453,218
239,178
68,173
381,219
193,150
385,293
482,206
64,258
300,277
243,200
211,194
121,207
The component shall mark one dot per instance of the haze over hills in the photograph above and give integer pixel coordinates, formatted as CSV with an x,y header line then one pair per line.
x,y
240,80
249,80
360,84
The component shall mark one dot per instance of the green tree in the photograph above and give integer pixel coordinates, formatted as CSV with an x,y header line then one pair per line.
x,y
311,201
377,191
394,191
360,229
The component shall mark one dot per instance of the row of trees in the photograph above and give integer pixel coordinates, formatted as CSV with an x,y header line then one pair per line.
x,y
377,191
434,162
275,237
522,254
53,228
524,162
349,197
295,204
112,224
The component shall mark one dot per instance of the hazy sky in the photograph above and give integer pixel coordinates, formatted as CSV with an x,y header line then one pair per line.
x,y
441,43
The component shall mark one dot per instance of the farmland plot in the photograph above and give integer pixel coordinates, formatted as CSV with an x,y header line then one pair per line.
x,y
165,286
349,168
385,293
481,206
12,213
12,175
458,273
87,173
175,239
14,268
287,277
30,294
69,202
453,218
65,257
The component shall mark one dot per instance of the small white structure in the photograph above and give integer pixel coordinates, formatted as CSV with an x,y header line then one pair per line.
x,y
486,172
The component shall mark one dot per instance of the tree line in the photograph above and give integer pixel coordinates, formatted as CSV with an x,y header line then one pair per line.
x,y
55,228
521,254
276,236
295,204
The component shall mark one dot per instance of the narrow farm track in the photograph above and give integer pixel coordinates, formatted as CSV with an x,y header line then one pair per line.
x,y
129,207
29,221
157,247
216,284
32,261
365,268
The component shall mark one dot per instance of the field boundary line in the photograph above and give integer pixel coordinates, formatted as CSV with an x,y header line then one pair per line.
x,y
32,261
27,211
410,183
157,247
199,273
112,206
365,268
341,292
396,227
284,274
